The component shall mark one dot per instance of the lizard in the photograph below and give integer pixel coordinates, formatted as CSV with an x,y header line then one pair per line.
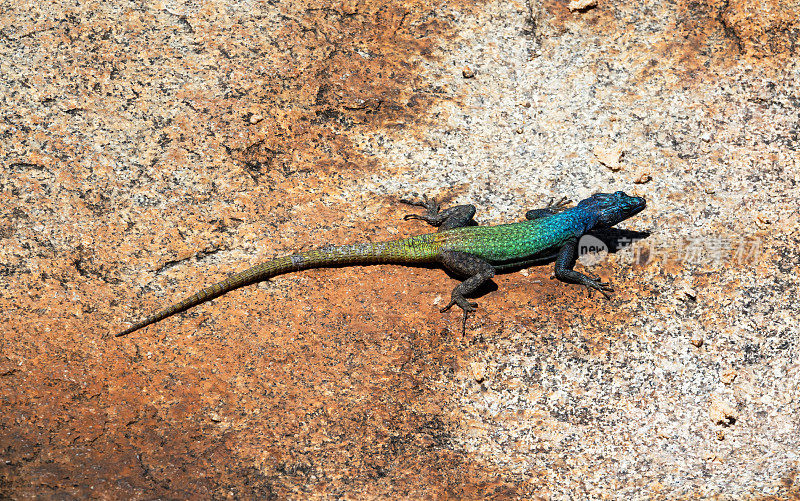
x,y
459,245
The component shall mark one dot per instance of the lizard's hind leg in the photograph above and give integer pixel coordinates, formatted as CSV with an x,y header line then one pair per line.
x,y
476,269
454,217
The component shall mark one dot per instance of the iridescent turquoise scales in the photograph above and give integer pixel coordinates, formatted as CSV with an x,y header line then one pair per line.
x,y
461,246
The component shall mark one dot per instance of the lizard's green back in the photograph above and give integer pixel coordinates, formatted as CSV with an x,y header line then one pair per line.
x,y
511,242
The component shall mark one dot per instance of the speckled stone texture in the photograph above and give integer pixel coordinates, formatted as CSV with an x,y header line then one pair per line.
x,y
150,149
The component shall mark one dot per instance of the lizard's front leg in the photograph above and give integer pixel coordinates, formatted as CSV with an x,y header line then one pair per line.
x,y
467,265
564,272
454,217
552,208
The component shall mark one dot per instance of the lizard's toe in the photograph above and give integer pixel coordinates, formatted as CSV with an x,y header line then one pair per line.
x,y
429,204
409,201
559,206
605,288
462,303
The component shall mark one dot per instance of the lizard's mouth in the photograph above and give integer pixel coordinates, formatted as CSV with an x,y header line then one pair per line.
x,y
639,203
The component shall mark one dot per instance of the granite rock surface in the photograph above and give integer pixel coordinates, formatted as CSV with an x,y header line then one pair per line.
x,y
152,148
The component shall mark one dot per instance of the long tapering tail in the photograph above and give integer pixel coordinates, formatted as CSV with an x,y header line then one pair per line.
x,y
406,251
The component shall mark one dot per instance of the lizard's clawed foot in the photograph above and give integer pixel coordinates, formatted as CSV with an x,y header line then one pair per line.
x,y
559,206
467,306
552,208
594,283
462,303
429,204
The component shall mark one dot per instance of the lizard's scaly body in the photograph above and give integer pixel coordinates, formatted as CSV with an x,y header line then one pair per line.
x,y
474,251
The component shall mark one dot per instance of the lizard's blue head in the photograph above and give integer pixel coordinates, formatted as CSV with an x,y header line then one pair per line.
x,y
611,208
